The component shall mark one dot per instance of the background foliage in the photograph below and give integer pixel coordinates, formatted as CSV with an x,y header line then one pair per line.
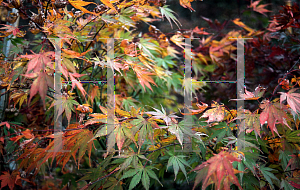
x,y
151,146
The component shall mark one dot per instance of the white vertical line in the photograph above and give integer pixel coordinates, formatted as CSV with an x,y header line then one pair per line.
x,y
240,70
187,93
58,140
110,96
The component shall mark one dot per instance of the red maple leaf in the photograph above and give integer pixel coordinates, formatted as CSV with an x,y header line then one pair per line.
x,y
219,170
10,30
10,179
260,8
77,83
273,114
40,84
39,61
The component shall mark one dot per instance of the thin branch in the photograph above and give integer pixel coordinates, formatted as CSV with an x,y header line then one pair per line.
x,y
174,144
100,178
95,36
48,2
286,74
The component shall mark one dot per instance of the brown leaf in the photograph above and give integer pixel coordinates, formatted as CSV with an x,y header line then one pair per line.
x,y
215,114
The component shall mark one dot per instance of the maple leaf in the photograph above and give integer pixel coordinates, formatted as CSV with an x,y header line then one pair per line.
x,y
27,134
293,99
177,39
19,97
219,169
200,31
260,8
241,24
272,112
187,4
74,54
140,173
180,129
258,93
168,13
200,110
162,115
77,83
40,84
143,76
178,162
39,61
251,122
6,124
109,4
80,4
10,180
217,113
145,128
65,104
293,162
10,30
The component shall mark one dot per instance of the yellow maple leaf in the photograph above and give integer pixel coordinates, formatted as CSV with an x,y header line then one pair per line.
x,y
80,4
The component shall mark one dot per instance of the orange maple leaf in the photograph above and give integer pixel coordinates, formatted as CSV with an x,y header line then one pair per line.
x,y
186,4
109,4
200,110
80,4
144,77
74,54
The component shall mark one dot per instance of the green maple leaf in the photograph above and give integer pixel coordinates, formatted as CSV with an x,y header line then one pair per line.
x,y
65,104
140,174
178,162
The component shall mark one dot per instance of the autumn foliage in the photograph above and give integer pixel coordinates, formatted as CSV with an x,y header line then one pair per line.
x,y
151,144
